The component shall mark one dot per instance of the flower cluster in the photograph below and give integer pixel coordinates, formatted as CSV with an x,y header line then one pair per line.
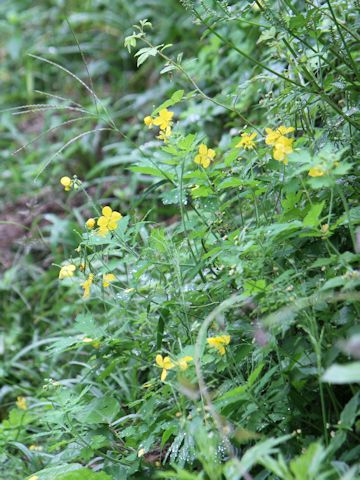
x,y
219,343
68,271
167,364
247,141
164,121
108,221
205,156
281,143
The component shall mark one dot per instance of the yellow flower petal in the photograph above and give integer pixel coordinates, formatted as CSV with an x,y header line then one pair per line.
x,y
211,153
103,221
90,223
67,271
316,172
159,361
108,278
116,216
107,211
203,149
148,121
112,225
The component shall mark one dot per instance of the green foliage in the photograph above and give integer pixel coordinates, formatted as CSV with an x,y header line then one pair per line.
x,y
210,331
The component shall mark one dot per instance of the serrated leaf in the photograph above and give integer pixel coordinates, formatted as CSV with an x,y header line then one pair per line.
x,y
99,410
312,217
230,183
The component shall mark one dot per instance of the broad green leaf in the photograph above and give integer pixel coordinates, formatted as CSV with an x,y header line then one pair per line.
x,y
99,410
312,217
342,374
84,474
230,183
53,473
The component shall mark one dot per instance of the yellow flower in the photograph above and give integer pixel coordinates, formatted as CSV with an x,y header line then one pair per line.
x,y
163,120
204,156
148,121
164,134
66,182
35,448
282,147
90,223
247,141
108,278
87,285
33,477
21,403
141,452
285,130
183,362
316,172
273,135
219,343
108,221
67,271
164,363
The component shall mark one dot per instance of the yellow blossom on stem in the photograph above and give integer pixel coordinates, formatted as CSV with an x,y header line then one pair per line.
x,y
87,285
166,364
108,278
21,403
90,223
219,343
66,182
282,147
164,119
182,363
108,221
247,141
273,135
148,121
164,135
316,172
67,271
205,156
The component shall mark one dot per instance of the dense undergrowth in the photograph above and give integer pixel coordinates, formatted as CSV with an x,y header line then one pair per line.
x,y
179,240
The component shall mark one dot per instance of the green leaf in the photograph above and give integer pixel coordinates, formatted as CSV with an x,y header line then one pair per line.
x,y
349,414
230,183
235,469
307,466
53,473
175,98
312,217
187,142
99,410
151,171
84,474
342,374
